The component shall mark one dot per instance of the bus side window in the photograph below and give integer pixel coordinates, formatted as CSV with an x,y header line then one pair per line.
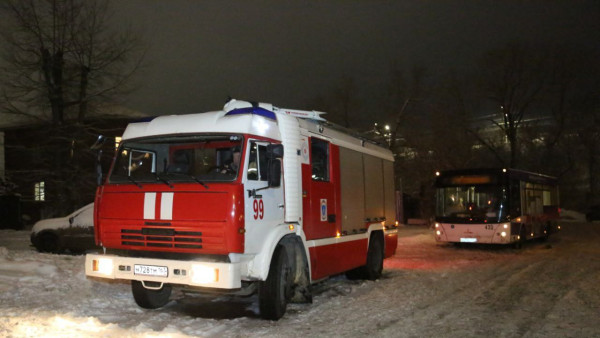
x,y
515,198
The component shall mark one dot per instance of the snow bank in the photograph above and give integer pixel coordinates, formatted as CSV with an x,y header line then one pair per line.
x,y
427,289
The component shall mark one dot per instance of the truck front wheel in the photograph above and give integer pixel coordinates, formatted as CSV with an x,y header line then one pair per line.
x,y
274,293
150,298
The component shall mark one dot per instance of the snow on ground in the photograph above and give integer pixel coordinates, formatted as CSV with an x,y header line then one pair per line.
x,y
549,289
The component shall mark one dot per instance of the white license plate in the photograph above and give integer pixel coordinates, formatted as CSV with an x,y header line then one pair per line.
x,y
468,240
151,270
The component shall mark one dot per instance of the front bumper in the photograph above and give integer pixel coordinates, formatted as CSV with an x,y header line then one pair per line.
x,y
192,273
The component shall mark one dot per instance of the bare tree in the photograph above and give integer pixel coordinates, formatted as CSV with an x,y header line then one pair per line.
x,y
512,79
341,103
63,54
452,111
402,93
62,59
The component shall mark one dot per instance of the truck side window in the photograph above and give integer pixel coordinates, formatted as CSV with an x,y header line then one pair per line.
x,y
257,162
320,159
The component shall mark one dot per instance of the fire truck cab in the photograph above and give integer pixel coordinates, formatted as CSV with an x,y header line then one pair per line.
x,y
251,198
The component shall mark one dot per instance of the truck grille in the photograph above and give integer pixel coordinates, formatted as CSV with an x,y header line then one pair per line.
x,y
162,238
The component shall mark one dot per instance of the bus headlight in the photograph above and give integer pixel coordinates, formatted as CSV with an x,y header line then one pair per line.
x,y
503,233
438,232
103,266
202,274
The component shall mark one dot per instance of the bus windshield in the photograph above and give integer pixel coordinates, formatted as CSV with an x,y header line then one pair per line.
x,y
471,204
190,158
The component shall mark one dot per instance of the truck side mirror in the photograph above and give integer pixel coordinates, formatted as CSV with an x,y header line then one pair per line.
x,y
274,151
274,173
99,169
98,147
99,142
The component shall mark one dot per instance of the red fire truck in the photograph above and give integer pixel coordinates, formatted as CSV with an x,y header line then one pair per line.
x,y
252,198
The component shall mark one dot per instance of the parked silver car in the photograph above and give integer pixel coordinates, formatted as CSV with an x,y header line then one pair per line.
x,y
74,232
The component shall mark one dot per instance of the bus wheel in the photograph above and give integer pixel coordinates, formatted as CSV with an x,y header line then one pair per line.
x,y
273,293
150,298
547,229
519,243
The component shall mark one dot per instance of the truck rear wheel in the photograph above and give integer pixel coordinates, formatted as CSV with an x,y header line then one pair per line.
x,y
374,265
274,293
149,298
372,270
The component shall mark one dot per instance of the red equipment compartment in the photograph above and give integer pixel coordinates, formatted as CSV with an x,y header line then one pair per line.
x,y
327,260
391,244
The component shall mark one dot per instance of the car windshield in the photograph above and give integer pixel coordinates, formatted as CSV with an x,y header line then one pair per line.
x,y
195,158
474,203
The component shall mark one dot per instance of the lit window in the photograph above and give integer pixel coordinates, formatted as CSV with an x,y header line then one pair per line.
x,y
319,159
40,191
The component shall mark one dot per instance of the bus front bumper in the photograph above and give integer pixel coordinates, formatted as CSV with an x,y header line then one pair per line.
x,y
498,233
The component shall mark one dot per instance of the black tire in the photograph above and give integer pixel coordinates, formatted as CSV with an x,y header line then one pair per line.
x,y
48,242
274,293
519,243
547,232
373,268
148,298
374,265
355,274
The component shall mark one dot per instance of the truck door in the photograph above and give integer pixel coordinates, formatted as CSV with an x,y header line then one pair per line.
x,y
264,207
323,215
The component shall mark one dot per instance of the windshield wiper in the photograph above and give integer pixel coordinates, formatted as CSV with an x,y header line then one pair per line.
x,y
164,180
197,180
134,182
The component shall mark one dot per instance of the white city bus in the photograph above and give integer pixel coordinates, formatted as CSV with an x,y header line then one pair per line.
x,y
495,206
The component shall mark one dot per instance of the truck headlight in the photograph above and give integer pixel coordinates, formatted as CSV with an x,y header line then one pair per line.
x,y
103,266
202,274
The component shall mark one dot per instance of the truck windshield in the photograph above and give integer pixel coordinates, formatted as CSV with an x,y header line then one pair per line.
x,y
196,158
470,204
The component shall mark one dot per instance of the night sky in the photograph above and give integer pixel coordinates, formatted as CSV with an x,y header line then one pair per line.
x,y
289,52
